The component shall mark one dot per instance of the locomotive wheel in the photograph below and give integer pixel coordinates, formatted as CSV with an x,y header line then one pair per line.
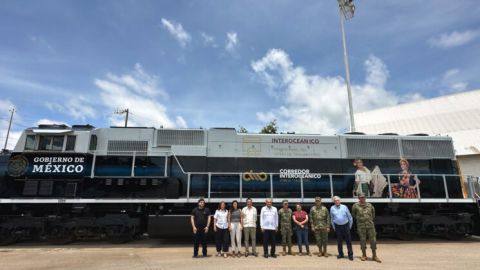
x,y
7,236
454,236
119,234
455,233
59,235
405,234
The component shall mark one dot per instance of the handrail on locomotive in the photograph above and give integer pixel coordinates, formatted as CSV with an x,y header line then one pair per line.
x,y
470,183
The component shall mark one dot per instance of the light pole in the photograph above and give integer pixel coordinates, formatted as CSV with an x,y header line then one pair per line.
x,y
12,111
347,10
125,111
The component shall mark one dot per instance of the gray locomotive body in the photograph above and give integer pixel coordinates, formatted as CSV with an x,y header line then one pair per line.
x,y
65,182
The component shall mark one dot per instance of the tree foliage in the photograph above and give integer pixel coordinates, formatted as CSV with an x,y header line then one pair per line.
x,y
270,128
242,129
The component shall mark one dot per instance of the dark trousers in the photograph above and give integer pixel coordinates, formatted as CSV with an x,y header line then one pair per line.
x,y
343,233
269,238
302,238
221,240
200,237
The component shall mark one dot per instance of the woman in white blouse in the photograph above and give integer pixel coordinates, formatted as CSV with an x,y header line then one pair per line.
x,y
220,226
363,177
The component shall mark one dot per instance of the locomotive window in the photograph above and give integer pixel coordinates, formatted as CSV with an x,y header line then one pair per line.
x,y
199,185
149,166
225,186
30,142
93,143
256,185
70,143
51,143
113,166
286,187
343,185
317,187
57,143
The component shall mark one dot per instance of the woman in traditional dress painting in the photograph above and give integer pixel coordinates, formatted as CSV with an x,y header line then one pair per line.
x,y
408,182
363,177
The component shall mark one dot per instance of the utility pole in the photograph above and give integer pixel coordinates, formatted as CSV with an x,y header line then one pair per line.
x,y
12,111
347,10
125,111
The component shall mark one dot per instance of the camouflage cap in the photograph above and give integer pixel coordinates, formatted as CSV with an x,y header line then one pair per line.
x,y
284,201
318,198
361,194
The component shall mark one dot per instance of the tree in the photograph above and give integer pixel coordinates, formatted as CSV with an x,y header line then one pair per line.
x,y
242,129
270,128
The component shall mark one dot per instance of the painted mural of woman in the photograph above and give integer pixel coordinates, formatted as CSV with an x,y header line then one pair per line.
x,y
408,182
363,177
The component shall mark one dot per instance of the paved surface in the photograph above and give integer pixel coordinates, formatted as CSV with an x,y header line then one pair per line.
x,y
156,254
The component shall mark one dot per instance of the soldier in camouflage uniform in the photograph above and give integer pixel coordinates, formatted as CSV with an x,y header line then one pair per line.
x,y
285,215
364,214
320,220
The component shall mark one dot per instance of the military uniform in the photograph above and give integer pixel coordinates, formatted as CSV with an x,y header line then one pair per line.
x,y
364,214
286,228
320,220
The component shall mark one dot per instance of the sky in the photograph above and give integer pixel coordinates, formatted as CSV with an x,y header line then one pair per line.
x,y
191,64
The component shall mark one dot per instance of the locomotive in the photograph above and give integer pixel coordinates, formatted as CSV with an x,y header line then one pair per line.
x,y
62,183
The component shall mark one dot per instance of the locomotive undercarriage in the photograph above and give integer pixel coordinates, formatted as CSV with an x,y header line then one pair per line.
x,y
120,223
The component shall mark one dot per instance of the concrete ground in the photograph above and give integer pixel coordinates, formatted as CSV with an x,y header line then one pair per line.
x,y
158,254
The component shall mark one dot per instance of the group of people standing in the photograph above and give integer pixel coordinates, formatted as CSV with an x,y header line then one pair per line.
x,y
234,220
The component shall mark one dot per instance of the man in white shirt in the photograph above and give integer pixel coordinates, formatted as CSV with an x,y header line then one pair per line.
x,y
249,224
269,226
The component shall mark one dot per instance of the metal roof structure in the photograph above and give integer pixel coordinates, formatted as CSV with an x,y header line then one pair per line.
x,y
456,115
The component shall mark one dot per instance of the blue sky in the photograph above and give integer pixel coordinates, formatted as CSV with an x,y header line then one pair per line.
x,y
228,63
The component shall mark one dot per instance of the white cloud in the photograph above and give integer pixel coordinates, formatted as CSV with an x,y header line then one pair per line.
x,y
5,106
177,31
208,40
450,73
181,123
140,82
454,39
46,121
232,42
459,87
137,91
42,42
78,108
452,81
377,72
411,97
316,104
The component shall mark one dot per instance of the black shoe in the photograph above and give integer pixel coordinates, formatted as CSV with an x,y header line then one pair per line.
x,y
265,256
204,255
350,258
273,256
340,257
255,254
195,256
246,254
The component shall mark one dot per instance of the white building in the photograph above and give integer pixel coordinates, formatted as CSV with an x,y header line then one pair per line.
x,y
457,116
